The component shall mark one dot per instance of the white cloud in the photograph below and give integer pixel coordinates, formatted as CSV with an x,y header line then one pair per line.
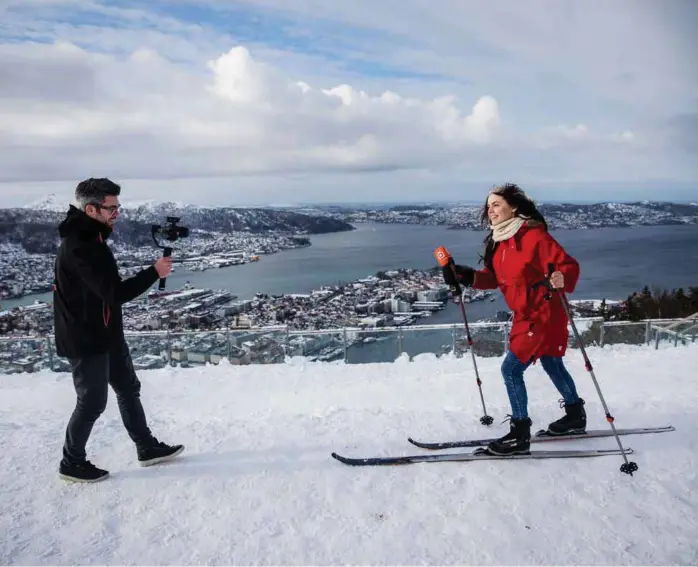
x,y
630,51
243,117
158,98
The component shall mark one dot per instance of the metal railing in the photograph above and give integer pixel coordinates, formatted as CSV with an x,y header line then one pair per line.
x,y
276,344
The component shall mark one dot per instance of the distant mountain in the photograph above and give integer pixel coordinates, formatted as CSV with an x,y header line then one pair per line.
x,y
561,216
50,203
35,226
229,219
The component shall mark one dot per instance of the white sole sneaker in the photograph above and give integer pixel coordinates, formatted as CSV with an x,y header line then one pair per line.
x,y
156,460
82,480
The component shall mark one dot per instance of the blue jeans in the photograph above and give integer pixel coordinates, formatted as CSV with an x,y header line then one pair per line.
x,y
513,371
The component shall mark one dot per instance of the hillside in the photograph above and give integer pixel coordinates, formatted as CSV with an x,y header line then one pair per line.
x,y
35,227
558,216
257,485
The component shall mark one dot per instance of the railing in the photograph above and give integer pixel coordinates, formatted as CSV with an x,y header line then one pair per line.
x,y
272,345
679,329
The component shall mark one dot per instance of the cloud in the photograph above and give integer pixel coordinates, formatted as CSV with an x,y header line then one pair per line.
x,y
399,98
25,71
138,113
629,51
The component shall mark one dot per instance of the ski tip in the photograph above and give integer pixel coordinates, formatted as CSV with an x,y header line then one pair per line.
x,y
350,460
341,459
423,445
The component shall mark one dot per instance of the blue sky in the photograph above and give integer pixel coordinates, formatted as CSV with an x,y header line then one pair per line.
x,y
267,101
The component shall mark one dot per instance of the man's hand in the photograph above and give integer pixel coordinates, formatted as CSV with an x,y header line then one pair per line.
x,y
164,266
557,280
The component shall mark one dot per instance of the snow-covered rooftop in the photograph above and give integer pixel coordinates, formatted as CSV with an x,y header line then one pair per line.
x,y
257,485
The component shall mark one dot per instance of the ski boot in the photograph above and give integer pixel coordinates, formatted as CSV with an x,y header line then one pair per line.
x,y
516,442
573,422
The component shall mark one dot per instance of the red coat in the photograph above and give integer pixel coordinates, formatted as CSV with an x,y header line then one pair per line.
x,y
539,326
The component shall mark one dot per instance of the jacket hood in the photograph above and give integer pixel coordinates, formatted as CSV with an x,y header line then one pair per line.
x,y
78,223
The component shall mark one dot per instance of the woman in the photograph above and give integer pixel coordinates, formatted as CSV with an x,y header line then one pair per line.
x,y
519,253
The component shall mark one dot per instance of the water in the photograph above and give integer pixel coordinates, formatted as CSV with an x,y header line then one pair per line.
x,y
614,262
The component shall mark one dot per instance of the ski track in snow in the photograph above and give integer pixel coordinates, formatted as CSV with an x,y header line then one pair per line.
x,y
257,485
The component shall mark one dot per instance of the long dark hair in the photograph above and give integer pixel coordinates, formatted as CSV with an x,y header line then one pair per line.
x,y
517,199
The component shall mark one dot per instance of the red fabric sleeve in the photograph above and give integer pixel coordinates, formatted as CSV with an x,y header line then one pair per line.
x,y
549,251
485,279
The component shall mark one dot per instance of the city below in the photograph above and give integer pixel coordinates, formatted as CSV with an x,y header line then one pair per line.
x,y
388,299
224,237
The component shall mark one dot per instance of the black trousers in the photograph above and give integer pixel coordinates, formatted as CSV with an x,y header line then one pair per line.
x,y
91,376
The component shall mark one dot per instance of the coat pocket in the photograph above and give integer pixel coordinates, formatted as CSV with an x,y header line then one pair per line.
x,y
518,298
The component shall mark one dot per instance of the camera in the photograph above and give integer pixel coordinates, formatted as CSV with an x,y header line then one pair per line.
x,y
170,230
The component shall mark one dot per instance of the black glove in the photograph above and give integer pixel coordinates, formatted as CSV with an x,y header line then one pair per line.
x,y
465,275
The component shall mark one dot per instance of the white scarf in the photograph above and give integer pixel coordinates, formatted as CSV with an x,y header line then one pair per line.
x,y
507,229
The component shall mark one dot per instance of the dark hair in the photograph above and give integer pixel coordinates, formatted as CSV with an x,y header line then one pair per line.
x,y
524,206
93,191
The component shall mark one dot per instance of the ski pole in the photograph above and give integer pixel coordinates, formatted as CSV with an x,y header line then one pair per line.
x,y
628,467
445,259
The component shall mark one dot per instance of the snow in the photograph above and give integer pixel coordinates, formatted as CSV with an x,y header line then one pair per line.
x,y
52,202
593,303
257,485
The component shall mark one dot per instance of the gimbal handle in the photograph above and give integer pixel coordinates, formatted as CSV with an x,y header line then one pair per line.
x,y
167,252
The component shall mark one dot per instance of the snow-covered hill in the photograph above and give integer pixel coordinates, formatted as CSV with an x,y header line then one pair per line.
x,y
137,217
257,485
52,202
558,216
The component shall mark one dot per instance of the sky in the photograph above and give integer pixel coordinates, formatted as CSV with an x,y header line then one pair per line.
x,y
256,484
268,101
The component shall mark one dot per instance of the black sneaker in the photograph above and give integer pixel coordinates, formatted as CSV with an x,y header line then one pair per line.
x,y
157,453
82,472
573,422
516,442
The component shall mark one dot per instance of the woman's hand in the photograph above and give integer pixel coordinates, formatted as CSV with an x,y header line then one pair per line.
x,y
557,280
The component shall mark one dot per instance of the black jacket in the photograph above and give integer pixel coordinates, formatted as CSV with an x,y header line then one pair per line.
x,y
88,291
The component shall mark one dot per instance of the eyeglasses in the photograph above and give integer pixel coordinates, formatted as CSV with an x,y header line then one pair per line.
x,y
111,208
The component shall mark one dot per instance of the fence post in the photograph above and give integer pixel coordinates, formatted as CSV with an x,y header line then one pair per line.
x,y
50,352
169,348
346,345
454,333
399,342
647,332
506,337
227,341
602,333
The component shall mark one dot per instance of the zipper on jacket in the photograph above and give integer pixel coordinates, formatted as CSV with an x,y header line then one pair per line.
x,y
84,305
106,312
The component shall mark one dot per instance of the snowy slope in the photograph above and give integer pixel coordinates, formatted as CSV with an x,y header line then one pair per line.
x,y
52,202
257,484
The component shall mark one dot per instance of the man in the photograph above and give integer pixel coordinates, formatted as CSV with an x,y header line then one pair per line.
x,y
88,295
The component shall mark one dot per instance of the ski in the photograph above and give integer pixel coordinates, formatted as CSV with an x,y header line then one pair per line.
x,y
479,454
542,436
